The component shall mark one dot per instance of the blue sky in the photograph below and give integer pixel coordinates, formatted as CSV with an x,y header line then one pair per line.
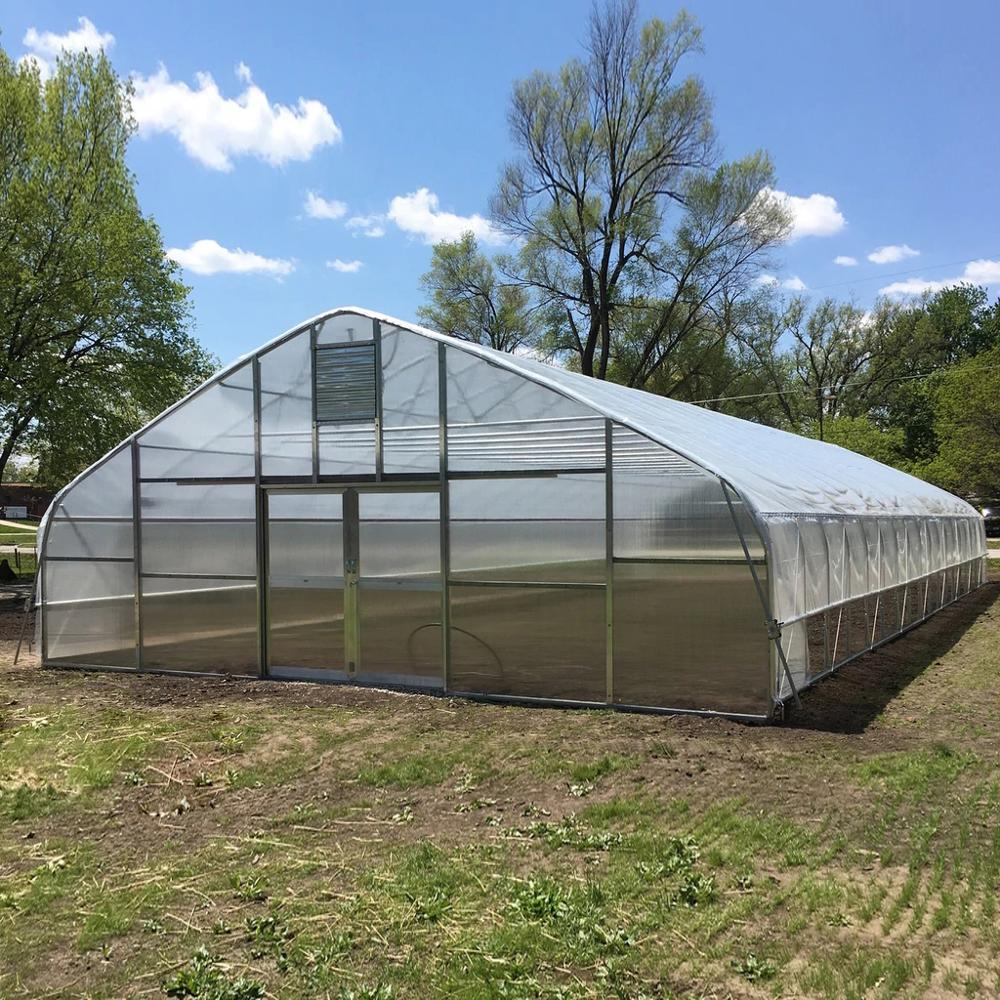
x,y
883,120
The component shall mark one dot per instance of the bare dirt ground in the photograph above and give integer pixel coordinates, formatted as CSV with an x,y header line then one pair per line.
x,y
236,839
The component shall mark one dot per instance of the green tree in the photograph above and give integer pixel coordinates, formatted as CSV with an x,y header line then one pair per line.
x,y
630,231
815,365
861,434
470,302
93,335
929,336
967,425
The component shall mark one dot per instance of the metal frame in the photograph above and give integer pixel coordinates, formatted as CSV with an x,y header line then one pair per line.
x,y
313,334
379,461
445,515
609,560
137,548
352,537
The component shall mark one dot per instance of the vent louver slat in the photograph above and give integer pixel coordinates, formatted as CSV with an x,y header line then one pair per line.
x,y
345,384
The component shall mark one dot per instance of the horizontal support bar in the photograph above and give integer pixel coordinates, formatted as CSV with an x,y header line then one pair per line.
x,y
525,584
340,345
203,480
86,559
198,576
526,473
61,518
685,560
414,480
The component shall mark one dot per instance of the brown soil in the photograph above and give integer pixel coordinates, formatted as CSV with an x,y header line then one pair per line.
x,y
856,713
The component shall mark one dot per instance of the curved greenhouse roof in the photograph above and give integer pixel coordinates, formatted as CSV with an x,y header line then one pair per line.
x,y
367,500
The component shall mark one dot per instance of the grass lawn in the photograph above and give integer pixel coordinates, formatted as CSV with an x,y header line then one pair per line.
x,y
26,534
240,839
11,536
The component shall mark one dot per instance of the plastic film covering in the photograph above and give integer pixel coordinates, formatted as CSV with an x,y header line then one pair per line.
x,y
89,612
527,552
88,569
399,598
409,402
199,624
286,408
90,538
529,642
306,581
210,435
842,585
104,491
499,421
347,449
688,624
547,529
345,328
199,604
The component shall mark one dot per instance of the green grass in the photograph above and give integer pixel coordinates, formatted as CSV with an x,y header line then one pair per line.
x,y
212,841
914,772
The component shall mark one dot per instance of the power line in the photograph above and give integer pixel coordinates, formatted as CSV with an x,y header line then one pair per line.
x,y
812,390
895,274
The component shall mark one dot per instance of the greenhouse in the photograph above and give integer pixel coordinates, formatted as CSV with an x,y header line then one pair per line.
x,y
367,501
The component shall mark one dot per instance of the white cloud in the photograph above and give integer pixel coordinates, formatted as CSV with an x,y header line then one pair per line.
x,y
892,254
816,215
977,272
793,284
367,225
983,272
845,261
45,46
916,286
345,266
420,215
210,257
213,129
317,207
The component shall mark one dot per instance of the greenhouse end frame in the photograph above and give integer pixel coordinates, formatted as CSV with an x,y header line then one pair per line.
x,y
568,541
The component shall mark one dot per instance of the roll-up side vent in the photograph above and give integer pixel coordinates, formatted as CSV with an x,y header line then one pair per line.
x,y
345,383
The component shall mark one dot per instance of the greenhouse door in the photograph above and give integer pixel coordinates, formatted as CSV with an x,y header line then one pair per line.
x,y
354,586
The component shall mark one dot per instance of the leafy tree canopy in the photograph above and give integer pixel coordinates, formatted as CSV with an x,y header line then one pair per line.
x,y
93,320
629,232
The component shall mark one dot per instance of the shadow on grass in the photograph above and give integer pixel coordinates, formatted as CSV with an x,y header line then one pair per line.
x,y
850,699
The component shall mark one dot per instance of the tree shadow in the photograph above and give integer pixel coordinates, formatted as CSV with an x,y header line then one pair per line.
x,y
851,698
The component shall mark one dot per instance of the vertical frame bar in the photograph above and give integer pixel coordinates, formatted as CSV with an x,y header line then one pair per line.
x,y
313,333
926,567
827,647
40,606
906,574
445,514
352,570
379,463
261,533
609,560
137,551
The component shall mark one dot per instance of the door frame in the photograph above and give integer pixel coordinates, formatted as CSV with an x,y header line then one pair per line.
x,y
349,492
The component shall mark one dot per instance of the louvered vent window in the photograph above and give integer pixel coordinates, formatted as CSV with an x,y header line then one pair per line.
x,y
345,383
